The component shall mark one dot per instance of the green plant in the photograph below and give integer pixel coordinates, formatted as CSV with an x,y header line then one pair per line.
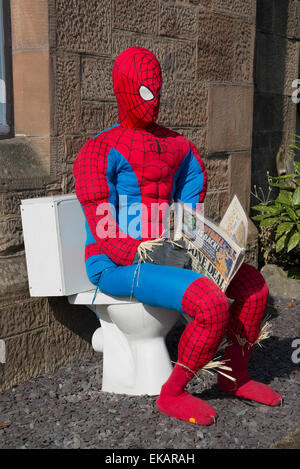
x,y
280,218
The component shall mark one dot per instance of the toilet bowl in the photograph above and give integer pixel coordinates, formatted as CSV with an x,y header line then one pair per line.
x,y
145,363
132,338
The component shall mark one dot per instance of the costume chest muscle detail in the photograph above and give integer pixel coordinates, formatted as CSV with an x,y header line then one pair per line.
x,y
136,170
154,158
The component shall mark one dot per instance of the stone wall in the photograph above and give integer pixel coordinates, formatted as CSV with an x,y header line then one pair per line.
x,y
276,66
206,50
40,334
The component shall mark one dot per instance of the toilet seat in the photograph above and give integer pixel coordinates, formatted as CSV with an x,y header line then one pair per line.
x,y
135,357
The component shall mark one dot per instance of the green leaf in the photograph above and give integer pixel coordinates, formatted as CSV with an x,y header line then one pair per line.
x,y
293,145
284,197
262,208
284,176
280,243
296,196
272,210
292,214
269,221
294,272
282,186
259,217
268,211
284,228
297,166
293,241
294,140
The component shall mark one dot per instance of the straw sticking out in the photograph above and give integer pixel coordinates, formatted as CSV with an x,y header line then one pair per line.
x,y
265,331
218,365
213,365
146,247
242,342
223,345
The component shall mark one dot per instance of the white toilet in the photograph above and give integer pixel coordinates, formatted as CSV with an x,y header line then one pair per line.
x,y
132,334
132,338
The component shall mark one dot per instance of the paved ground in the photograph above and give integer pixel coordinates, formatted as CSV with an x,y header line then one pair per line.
x,y
67,409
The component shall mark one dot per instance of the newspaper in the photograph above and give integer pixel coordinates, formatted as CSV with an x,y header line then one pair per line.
x,y
235,222
217,250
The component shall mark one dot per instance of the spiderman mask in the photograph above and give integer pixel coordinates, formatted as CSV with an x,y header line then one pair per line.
x,y
137,84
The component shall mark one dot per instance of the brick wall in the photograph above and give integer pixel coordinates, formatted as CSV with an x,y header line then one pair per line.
x,y
206,50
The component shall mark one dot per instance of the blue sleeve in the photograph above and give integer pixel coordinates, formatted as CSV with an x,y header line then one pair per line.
x,y
191,179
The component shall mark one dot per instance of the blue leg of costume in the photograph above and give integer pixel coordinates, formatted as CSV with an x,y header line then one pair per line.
x,y
171,287
155,285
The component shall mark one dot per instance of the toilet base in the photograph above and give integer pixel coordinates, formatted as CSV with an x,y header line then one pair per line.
x,y
135,362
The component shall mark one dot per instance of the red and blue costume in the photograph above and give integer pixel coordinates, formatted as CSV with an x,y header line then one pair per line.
x,y
142,163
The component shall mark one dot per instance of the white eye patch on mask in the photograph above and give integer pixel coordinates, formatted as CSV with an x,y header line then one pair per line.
x,y
145,93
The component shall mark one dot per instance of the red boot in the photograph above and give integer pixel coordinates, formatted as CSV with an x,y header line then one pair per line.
x,y
236,357
174,401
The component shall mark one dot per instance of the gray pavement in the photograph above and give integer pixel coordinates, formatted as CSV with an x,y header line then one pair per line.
x,y
68,410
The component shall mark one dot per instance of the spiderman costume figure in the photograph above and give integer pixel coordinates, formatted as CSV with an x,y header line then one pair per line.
x,y
124,171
